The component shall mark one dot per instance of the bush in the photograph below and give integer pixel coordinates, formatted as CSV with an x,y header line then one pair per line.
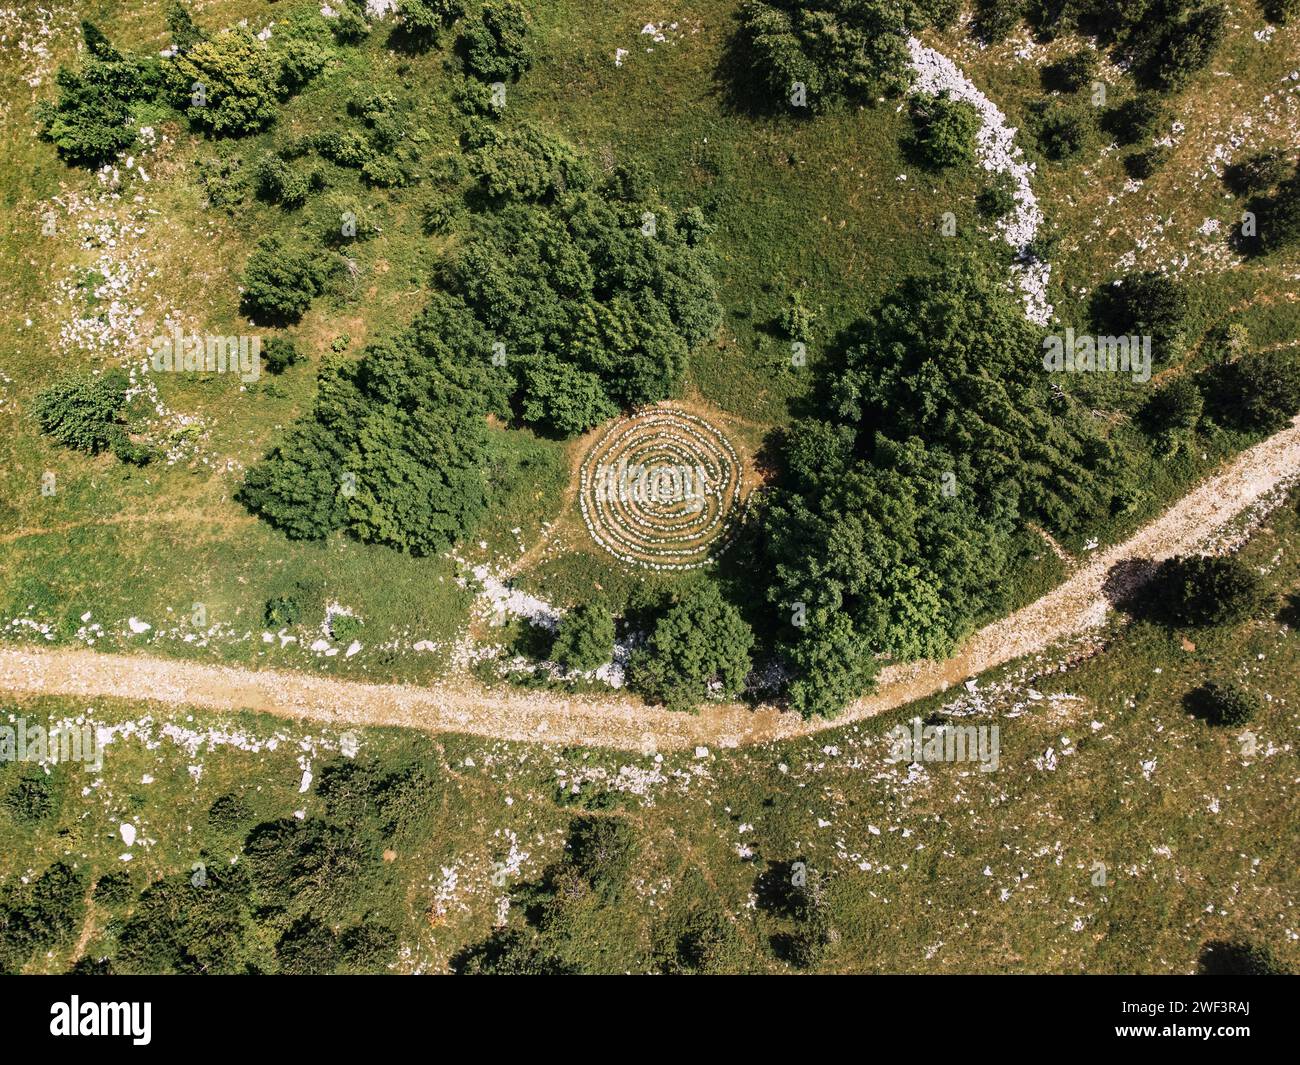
x,y
1281,12
1279,217
84,411
563,397
279,284
91,123
1144,304
1136,118
1239,958
1175,407
228,84
1061,131
699,650
1202,591
496,46
586,637
422,21
32,798
282,610
280,353
1225,704
1260,172
345,627
113,889
1259,392
1072,73
996,19
1141,165
943,132
229,812
1184,45
998,199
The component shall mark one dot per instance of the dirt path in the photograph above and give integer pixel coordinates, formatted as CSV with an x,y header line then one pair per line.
x,y
621,722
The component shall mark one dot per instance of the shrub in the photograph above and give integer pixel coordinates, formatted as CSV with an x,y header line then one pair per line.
x,y
282,610
996,19
279,284
1174,407
1136,118
422,21
280,353
943,132
1225,704
997,199
1259,172
1180,47
229,812
275,181
83,411
1142,304
1279,217
1239,958
1072,73
1141,165
562,396
1201,591
496,46
228,84
586,637
699,650
438,213
32,798
1061,131
1281,12
345,627
1259,392
91,123
113,889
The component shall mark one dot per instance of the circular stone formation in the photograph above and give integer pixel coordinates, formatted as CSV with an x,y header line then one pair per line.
x,y
659,489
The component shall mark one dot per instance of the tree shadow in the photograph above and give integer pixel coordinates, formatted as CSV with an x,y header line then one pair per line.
x,y
1129,586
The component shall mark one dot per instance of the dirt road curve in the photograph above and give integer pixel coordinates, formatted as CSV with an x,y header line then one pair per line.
x,y
623,723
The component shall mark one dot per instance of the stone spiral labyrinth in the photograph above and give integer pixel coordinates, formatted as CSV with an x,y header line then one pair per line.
x,y
660,488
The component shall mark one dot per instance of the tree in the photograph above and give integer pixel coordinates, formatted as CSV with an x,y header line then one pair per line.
x,y
180,925
1225,704
1061,130
298,487
1175,407
562,396
422,21
1145,304
1240,958
1135,118
943,132
1256,173
307,948
700,649
279,284
280,353
496,46
586,637
1259,392
1076,71
1280,11
228,84
1203,590
84,411
832,666
40,915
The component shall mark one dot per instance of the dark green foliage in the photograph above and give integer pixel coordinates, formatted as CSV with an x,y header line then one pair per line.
x,y
1282,12
710,945
586,637
1203,590
496,46
40,915
878,543
1279,216
996,19
307,948
304,47
368,947
562,396
315,863
277,181
298,486
1239,958
1136,118
279,283
525,163
1074,72
31,798
280,353
997,200
1062,131
1146,304
114,889
1141,165
601,850
422,21
1224,704
1256,173
229,812
1174,407
91,122
510,952
943,132
373,802
179,926
282,610
1259,391
699,649
84,411
840,51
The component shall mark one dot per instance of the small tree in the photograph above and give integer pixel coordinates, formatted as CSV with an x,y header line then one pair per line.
x,y
1062,131
1225,704
1258,172
1203,590
1136,118
83,411
496,46
998,198
1283,12
279,284
280,353
1072,73
586,637
699,650
1260,392
943,132
228,84
1175,407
